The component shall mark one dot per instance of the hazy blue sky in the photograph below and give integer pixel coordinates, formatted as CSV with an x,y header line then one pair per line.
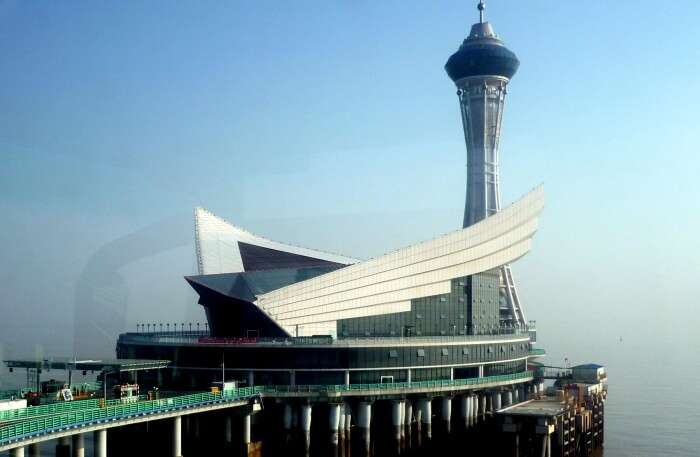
x,y
334,125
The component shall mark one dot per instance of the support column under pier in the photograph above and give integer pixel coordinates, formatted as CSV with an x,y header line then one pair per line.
x,y
305,422
446,413
79,445
341,422
63,447
100,437
465,404
364,421
177,436
287,421
495,401
482,406
426,413
334,421
396,418
17,452
34,450
507,398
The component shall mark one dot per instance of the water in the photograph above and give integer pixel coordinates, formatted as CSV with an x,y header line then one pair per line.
x,y
653,406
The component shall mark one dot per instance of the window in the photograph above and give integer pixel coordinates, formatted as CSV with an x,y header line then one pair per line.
x,y
443,299
445,352
420,352
465,351
393,354
490,350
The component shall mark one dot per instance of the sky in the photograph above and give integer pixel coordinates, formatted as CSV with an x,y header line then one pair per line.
x,y
333,125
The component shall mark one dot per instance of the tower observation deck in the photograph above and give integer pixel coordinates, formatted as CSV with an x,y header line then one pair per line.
x,y
481,69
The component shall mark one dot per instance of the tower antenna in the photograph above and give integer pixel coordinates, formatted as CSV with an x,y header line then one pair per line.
x,y
481,6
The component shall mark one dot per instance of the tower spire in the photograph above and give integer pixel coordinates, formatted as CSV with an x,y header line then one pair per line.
x,y
481,6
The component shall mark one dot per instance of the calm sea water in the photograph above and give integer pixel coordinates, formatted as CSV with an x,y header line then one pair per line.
x,y
653,406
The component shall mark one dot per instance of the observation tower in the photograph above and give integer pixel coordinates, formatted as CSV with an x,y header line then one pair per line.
x,y
481,69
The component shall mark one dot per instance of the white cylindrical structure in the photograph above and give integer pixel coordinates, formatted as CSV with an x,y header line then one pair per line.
x,y
482,405
78,445
446,412
408,413
408,376
347,378
177,436
540,388
495,401
100,438
396,419
364,421
341,421
305,423
17,452
426,413
334,421
246,429
507,398
516,394
348,420
287,417
464,409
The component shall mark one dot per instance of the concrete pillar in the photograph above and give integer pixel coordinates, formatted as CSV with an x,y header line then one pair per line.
x,y
196,426
348,420
426,414
452,374
408,376
251,378
34,450
540,389
293,378
495,401
334,421
396,418
507,398
341,421
481,371
79,445
347,378
364,421
464,410
177,436
407,420
63,447
246,429
446,410
516,394
305,422
482,405
17,452
228,430
100,438
287,419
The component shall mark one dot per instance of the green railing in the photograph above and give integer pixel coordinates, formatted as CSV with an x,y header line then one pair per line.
x,y
537,352
54,408
86,412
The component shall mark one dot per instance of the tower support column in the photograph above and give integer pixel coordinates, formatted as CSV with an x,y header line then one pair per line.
x,y
364,421
78,445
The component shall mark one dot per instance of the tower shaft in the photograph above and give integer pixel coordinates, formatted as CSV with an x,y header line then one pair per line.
x,y
482,100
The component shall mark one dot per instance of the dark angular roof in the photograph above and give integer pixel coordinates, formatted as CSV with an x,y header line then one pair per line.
x,y
260,258
249,284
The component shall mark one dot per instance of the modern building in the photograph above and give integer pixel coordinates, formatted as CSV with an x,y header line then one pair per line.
x,y
445,308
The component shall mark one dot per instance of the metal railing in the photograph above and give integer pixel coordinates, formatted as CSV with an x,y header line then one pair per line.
x,y
55,408
87,412
537,352
192,338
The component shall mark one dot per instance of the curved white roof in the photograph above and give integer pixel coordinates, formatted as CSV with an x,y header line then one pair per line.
x,y
218,249
388,283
